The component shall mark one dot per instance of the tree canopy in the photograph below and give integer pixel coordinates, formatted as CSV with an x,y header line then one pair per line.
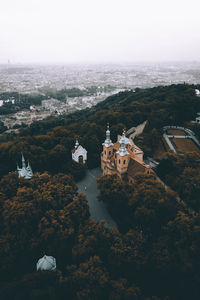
x,y
154,253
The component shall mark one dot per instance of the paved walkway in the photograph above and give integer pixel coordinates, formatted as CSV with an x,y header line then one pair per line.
x,y
88,186
135,131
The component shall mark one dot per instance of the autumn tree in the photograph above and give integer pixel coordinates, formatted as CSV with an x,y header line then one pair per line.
x,y
115,193
152,206
90,280
181,173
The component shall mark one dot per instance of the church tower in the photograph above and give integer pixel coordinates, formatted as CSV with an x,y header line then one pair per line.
x,y
107,152
122,156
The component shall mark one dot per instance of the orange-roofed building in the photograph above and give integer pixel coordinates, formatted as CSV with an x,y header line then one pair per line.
x,y
123,158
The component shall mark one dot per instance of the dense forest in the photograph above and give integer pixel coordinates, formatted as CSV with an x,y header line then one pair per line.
x,y
158,253
182,173
153,255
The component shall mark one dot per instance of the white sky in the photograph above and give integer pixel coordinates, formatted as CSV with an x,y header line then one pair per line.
x,y
56,31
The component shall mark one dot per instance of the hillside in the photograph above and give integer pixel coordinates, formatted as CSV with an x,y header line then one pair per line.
x,y
48,143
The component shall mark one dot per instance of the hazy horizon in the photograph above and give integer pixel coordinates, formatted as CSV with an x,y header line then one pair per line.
x,y
85,63
99,32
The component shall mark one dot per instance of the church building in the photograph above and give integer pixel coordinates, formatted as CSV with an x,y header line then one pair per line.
x,y
79,154
123,158
25,171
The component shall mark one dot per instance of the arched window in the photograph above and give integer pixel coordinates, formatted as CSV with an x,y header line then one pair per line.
x,y
104,152
119,161
124,162
109,152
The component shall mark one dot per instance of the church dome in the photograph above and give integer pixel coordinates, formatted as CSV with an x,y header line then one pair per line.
x,y
46,263
124,140
76,144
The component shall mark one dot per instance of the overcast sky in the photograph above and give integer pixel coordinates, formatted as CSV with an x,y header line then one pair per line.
x,y
97,31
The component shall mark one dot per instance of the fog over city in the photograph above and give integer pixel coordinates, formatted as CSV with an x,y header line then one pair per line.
x,y
58,57
91,31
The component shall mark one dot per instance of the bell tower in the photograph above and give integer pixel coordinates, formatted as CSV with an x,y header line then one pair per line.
x,y
107,151
122,156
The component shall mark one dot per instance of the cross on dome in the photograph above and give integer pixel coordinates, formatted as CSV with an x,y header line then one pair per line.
x,y
108,141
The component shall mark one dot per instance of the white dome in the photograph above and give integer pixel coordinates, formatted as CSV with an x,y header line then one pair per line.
x,y
46,263
124,140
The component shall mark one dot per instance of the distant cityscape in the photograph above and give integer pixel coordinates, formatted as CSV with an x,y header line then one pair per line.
x,y
32,78
106,78
50,107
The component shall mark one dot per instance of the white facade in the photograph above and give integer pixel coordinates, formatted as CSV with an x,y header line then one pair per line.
x,y
79,154
25,171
